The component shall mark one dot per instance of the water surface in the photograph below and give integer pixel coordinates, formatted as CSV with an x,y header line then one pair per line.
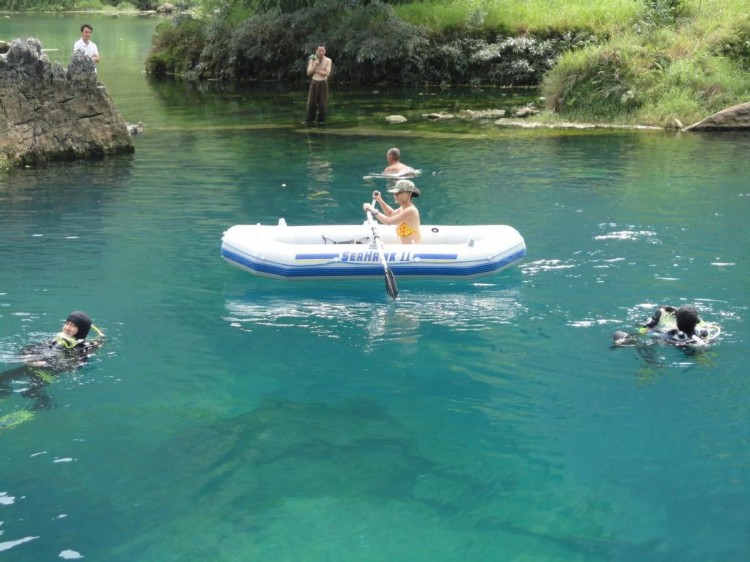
x,y
235,418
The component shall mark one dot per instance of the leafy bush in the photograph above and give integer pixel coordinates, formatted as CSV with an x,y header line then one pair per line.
x,y
736,44
146,4
176,46
368,44
659,13
375,46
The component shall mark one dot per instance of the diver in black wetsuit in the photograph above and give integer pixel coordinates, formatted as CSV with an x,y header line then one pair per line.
x,y
68,351
681,327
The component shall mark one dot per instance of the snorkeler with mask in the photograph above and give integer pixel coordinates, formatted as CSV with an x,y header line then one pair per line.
x,y
67,351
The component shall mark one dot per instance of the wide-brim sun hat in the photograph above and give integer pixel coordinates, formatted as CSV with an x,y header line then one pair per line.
x,y
405,186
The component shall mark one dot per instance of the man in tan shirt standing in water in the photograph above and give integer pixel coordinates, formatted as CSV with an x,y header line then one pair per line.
x,y
319,69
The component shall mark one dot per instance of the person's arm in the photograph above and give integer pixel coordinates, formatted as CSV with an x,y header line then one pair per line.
x,y
654,320
383,205
312,64
397,216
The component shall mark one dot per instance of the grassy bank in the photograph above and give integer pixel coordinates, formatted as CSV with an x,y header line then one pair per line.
x,y
656,62
681,65
648,62
521,17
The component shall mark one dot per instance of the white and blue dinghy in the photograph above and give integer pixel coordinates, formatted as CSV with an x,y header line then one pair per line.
x,y
363,251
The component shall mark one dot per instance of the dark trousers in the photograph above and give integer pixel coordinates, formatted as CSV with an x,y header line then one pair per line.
x,y
317,101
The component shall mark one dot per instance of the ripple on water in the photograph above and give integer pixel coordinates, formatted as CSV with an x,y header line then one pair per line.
x,y
481,307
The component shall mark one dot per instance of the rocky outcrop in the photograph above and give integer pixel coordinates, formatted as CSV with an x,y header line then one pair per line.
x,y
735,117
49,113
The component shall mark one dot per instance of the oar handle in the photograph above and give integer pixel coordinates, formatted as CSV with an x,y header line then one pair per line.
x,y
390,280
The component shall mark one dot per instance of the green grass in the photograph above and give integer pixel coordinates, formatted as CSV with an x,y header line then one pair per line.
x,y
654,61
653,64
517,17
653,73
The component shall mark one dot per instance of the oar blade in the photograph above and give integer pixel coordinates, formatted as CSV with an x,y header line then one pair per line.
x,y
390,284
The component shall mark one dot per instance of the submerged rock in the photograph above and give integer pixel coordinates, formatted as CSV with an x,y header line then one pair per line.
x,y
50,113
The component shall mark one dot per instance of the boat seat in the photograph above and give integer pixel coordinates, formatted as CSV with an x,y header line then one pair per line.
x,y
362,240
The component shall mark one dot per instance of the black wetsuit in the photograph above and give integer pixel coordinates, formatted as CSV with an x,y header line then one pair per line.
x,y
661,325
42,363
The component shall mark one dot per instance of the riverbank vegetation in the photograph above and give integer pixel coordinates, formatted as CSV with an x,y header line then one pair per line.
x,y
46,6
652,62
680,60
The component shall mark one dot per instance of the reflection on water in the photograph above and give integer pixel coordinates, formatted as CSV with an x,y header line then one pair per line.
x,y
473,307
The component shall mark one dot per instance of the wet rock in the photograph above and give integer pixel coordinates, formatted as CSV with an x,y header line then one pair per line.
x,y
525,112
50,113
135,128
396,119
481,114
436,116
675,123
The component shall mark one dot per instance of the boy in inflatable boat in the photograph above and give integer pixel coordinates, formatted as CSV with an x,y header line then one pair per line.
x,y
67,351
681,327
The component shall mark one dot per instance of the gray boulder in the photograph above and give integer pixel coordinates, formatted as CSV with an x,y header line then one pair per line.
x,y
735,117
48,113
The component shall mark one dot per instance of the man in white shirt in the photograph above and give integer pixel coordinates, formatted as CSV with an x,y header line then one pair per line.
x,y
86,45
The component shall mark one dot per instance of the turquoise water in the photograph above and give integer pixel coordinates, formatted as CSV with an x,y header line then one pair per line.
x,y
235,418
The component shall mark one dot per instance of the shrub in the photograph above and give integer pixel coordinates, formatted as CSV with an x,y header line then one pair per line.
x,y
146,5
598,81
176,46
736,44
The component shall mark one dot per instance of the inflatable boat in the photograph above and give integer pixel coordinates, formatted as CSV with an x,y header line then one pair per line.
x,y
351,251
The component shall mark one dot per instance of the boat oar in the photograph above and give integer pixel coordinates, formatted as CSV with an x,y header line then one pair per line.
x,y
390,280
